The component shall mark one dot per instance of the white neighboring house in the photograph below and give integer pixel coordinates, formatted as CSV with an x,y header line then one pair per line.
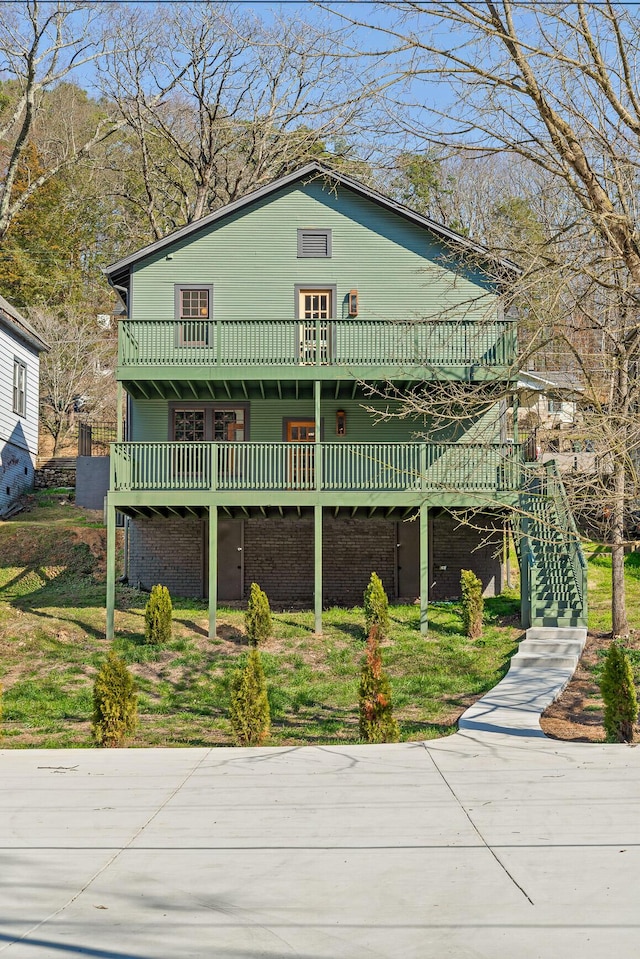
x,y
550,401
20,348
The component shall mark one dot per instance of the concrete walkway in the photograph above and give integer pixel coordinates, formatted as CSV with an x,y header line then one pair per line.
x,y
545,662
485,844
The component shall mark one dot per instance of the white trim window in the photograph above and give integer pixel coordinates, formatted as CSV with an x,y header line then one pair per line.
x,y
19,387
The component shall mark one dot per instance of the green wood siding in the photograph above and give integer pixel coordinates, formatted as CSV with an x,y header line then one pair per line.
x,y
150,422
400,271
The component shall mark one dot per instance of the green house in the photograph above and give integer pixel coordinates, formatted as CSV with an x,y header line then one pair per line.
x,y
270,359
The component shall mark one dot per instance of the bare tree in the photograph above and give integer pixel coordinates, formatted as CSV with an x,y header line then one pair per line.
x,y
43,46
251,102
555,85
76,375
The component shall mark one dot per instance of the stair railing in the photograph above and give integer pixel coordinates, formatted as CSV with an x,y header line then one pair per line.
x,y
566,523
528,574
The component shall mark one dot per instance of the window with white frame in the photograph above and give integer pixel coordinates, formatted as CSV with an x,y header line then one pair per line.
x,y
19,387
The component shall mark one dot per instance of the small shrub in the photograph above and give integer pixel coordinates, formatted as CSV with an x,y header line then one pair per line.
x,y
257,619
377,724
472,603
115,703
376,606
250,717
619,695
157,617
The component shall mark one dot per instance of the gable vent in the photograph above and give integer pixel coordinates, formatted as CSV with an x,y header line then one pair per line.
x,y
314,243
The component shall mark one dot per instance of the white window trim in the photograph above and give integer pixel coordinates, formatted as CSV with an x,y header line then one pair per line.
x,y
19,387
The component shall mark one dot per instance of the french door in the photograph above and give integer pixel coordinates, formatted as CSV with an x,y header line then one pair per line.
x,y
301,458
315,310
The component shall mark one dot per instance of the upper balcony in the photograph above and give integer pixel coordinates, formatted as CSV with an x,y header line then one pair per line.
x,y
337,349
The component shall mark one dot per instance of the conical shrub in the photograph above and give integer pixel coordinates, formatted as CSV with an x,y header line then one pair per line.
x,y
377,724
115,703
257,618
376,606
249,712
619,696
158,617
472,603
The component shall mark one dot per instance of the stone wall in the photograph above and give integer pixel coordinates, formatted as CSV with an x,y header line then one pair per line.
x,y
51,477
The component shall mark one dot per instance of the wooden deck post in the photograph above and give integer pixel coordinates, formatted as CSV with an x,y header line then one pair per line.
x,y
213,570
119,411
111,570
317,591
424,569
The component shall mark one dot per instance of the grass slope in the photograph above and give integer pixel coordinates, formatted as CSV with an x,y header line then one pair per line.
x,y
52,644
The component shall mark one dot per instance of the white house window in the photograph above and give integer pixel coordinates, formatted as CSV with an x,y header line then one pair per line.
x,y
554,405
314,243
193,312
19,387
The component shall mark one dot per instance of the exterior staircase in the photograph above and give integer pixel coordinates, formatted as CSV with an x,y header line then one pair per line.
x,y
552,565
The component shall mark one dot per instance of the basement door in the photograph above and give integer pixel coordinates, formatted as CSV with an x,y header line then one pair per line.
x,y
230,560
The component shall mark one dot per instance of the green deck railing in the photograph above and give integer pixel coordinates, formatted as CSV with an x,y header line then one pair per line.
x,y
554,488
349,343
393,467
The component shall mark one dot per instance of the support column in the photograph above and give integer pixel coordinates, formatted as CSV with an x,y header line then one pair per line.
x,y
213,570
111,570
516,407
119,416
317,588
424,569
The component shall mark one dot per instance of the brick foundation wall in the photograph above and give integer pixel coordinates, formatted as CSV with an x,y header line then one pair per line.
x,y
353,549
278,554
464,547
167,551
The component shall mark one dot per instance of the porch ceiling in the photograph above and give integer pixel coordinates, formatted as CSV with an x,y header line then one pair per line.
x,y
254,389
395,513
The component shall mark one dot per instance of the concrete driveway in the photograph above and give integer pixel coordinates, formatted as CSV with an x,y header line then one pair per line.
x,y
479,845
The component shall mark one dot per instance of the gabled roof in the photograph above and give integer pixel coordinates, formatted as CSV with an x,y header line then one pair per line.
x,y
13,320
496,266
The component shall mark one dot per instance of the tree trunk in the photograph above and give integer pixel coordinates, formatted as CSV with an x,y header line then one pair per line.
x,y
620,626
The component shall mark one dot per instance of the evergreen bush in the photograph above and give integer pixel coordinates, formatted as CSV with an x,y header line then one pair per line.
x,y
115,703
472,603
157,617
619,695
257,618
376,606
377,724
250,716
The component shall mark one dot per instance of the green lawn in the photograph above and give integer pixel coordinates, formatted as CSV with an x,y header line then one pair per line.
x,y
52,643
599,558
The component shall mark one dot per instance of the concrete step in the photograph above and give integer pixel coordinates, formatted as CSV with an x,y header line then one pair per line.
x,y
553,635
547,660
538,647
